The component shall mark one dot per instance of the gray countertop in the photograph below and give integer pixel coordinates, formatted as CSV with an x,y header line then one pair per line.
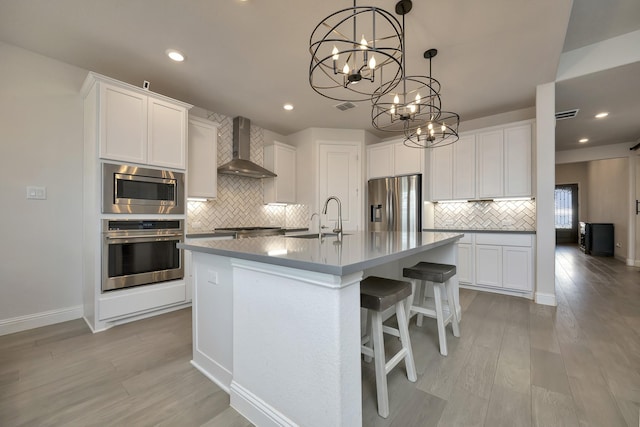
x,y
357,251
458,230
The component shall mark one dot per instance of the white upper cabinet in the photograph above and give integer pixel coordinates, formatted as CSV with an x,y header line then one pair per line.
x,y
202,168
393,159
484,164
281,160
166,145
517,165
379,161
137,126
442,173
123,124
490,163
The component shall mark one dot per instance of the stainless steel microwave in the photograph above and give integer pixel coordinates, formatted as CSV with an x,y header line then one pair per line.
x,y
131,189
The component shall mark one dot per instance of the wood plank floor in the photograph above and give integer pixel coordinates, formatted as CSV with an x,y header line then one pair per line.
x,y
516,364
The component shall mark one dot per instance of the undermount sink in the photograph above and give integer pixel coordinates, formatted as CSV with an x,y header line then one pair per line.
x,y
314,235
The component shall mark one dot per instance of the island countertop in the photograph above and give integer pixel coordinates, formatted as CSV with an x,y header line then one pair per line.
x,y
357,251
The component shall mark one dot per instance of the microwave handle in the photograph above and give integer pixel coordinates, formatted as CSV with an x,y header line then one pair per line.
x,y
142,236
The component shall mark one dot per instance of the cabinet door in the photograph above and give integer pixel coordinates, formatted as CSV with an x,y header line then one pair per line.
x,y
167,134
464,168
281,159
489,265
123,125
465,263
516,268
489,149
517,162
202,173
379,161
442,173
339,175
407,160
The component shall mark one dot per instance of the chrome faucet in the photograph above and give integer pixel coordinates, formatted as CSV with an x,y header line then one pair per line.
x,y
319,224
338,229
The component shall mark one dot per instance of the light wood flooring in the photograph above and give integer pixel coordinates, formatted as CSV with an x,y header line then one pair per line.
x,y
516,364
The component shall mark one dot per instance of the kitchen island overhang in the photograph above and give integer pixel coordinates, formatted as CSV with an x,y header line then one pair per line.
x,y
276,320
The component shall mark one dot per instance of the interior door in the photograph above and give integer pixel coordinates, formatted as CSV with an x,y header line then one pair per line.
x,y
340,175
566,213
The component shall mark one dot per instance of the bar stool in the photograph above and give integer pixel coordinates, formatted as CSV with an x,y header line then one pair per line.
x,y
377,294
439,275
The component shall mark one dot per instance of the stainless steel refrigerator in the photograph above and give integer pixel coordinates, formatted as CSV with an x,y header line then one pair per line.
x,y
395,204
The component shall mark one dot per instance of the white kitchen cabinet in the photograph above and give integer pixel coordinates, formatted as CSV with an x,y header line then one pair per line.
x,y
464,168
393,159
379,161
407,160
442,173
516,268
137,126
466,268
490,154
339,175
497,262
488,265
188,261
517,161
202,168
280,159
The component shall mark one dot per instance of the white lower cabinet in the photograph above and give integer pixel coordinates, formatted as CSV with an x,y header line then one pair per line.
x,y
499,262
188,262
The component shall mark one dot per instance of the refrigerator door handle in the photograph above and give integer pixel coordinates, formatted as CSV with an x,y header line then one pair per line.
x,y
637,204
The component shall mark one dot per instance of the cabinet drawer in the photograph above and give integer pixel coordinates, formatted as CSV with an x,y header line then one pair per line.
x,y
466,239
504,239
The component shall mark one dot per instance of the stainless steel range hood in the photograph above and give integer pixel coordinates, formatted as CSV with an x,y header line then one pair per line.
x,y
240,165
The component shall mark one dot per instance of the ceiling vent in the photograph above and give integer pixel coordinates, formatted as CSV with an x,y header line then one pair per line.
x,y
569,114
345,106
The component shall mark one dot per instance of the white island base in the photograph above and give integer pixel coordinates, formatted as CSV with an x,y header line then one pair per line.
x,y
284,342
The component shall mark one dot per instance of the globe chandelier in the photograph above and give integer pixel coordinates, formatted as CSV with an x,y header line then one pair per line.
x,y
397,110
356,54
432,127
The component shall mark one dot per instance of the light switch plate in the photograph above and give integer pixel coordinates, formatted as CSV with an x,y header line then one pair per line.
x,y
36,193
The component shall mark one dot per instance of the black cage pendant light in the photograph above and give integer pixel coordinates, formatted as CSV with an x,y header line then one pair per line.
x,y
356,54
400,109
435,127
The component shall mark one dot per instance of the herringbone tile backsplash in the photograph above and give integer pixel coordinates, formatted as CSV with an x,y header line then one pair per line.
x,y
239,202
516,215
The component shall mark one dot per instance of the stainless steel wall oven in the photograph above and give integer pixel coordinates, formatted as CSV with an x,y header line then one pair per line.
x,y
134,190
140,252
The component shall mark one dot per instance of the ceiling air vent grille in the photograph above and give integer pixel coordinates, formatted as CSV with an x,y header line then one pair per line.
x,y
569,114
345,106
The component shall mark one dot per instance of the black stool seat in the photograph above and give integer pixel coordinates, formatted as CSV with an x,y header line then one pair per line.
x,y
379,293
431,272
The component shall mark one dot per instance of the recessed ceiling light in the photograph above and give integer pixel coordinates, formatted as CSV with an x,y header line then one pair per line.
x,y
601,115
175,55
583,140
288,107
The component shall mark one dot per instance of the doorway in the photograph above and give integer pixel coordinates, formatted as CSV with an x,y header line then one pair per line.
x,y
566,213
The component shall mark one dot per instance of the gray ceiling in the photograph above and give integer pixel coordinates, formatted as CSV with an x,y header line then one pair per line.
x,y
249,58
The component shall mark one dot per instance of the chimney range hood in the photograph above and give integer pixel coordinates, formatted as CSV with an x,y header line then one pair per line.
x,y
240,165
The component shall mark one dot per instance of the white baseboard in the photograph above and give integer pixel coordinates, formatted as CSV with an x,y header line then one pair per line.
x,y
255,409
36,320
546,299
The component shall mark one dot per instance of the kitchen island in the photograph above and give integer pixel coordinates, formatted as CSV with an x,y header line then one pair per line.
x,y
276,320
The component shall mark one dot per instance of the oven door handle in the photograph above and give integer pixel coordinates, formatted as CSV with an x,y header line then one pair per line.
x,y
144,236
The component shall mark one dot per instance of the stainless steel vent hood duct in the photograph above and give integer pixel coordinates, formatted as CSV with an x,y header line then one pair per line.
x,y
240,165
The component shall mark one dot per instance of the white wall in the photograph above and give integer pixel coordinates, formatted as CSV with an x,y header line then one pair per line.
x,y
41,127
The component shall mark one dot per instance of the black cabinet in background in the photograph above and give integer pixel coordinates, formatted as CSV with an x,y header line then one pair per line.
x,y
597,238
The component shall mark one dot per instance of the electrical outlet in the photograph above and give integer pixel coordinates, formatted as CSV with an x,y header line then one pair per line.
x,y
197,224
507,222
448,222
36,193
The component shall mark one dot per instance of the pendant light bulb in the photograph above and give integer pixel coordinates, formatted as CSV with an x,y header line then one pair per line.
x,y
372,62
336,53
430,126
418,99
392,110
346,69
412,108
443,128
419,131
396,99
363,43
